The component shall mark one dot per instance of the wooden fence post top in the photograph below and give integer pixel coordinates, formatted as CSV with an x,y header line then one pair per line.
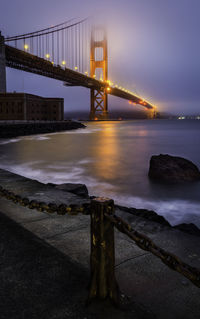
x,y
103,201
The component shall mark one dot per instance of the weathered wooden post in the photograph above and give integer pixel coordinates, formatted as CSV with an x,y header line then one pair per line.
x,y
103,283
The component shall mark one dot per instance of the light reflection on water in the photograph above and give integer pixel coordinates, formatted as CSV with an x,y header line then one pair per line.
x,y
112,159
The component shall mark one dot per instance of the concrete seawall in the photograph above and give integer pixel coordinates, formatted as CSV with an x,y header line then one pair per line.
x,y
10,129
160,292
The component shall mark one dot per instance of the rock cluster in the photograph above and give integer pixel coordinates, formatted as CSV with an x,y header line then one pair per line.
x,y
26,128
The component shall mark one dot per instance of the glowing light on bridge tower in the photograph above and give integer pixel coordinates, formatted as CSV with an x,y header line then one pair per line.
x,y
99,99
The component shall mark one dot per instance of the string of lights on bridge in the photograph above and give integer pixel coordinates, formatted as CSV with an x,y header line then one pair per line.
x,y
65,45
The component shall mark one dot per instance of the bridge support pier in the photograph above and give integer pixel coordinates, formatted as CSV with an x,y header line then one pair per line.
x,y
99,104
151,114
99,97
2,65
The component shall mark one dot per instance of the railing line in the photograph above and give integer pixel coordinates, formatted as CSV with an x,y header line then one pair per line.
x,y
145,243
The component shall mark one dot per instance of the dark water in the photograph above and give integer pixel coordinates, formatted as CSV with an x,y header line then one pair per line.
x,y
112,159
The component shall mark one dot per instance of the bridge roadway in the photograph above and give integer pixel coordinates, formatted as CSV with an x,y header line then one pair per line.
x,y
25,61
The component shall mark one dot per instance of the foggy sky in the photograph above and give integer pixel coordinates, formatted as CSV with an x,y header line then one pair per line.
x,y
153,48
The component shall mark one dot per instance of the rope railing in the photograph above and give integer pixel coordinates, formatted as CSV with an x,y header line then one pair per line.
x,y
51,207
145,243
103,283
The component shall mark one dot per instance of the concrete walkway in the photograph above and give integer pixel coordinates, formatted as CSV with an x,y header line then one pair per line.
x,y
155,291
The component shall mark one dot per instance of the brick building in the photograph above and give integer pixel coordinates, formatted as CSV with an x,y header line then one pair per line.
x,y
23,106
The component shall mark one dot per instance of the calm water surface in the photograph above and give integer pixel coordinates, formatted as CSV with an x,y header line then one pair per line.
x,y
112,159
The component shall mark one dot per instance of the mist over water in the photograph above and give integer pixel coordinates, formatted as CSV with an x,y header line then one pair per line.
x,y
112,159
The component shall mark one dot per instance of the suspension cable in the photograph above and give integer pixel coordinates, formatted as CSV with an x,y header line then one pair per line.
x,y
34,32
39,34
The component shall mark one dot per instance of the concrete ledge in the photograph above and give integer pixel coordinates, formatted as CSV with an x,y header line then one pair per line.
x,y
154,288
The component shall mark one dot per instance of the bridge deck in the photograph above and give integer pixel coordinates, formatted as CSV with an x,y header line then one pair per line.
x,y
25,61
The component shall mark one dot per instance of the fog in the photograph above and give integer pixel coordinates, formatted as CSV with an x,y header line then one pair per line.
x,y
153,49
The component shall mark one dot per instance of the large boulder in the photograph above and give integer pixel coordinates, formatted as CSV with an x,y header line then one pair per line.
x,y
172,169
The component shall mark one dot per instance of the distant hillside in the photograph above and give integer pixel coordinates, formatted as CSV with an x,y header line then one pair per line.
x,y
112,115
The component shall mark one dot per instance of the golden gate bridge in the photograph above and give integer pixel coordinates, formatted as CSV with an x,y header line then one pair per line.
x,y
74,52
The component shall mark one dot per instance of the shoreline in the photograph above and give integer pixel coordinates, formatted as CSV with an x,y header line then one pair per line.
x,y
10,180
13,129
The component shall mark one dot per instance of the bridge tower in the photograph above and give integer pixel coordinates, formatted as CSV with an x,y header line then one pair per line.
x,y
98,97
2,65
152,113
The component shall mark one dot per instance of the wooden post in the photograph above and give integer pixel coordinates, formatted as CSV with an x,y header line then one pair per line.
x,y
103,283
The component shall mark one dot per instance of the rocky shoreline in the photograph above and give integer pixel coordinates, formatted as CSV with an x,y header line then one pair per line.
x,y
149,215
10,129
78,193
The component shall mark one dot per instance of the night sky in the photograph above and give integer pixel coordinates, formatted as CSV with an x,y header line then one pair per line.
x,y
153,48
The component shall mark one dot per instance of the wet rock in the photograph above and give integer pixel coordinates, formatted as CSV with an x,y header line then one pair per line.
x,y
172,169
77,189
189,228
145,213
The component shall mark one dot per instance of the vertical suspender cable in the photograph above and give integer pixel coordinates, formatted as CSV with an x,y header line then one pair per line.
x,y
53,47
81,31
67,48
72,49
46,51
63,46
79,45
40,46
58,53
75,39
37,46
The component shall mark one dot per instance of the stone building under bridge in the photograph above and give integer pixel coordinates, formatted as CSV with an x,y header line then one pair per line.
x,y
23,106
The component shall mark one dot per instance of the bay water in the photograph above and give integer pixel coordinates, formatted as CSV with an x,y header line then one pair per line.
x,y
112,159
